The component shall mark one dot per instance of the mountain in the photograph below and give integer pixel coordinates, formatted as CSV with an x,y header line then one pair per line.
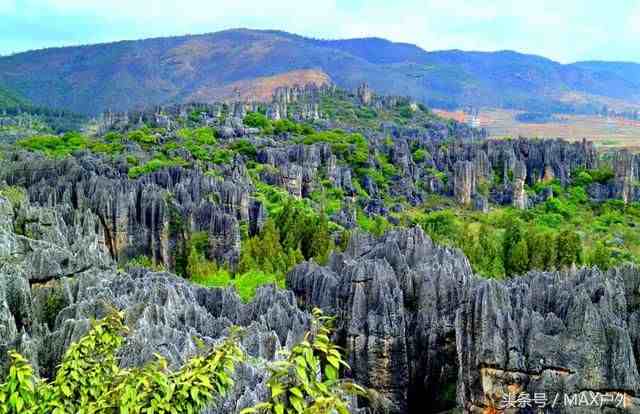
x,y
8,99
128,74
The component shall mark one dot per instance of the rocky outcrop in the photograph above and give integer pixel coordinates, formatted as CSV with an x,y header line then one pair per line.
x,y
153,215
519,177
40,317
463,182
416,324
421,329
396,300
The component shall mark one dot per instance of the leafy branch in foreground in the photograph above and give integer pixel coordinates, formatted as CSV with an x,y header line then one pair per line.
x,y
89,380
308,380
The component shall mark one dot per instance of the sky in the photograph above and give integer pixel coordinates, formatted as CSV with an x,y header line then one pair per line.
x,y
563,30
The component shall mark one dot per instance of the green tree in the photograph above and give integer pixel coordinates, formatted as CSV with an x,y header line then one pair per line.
x,y
515,252
321,243
569,248
541,247
496,268
256,120
519,258
442,225
489,253
601,256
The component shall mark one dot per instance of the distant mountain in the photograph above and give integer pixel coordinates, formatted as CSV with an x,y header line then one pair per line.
x,y
8,99
123,75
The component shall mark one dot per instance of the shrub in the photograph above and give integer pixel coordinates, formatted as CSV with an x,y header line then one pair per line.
x,y
202,136
602,175
442,225
155,164
256,120
144,262
308,379
55,146
89,379
221,156
246,284
142,136
245,148
15,195
419,155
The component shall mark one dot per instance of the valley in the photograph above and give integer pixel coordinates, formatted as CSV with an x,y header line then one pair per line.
x,y
606,132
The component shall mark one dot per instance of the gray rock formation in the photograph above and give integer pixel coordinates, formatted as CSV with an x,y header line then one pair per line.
x,y
58,278
153,215
421,329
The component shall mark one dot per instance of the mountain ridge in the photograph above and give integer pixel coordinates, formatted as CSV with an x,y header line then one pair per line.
x,y
136,73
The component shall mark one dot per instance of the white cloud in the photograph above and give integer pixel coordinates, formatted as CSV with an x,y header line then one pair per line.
x,y
634,21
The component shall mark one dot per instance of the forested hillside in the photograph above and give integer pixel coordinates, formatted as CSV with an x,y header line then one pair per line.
x,y
133,74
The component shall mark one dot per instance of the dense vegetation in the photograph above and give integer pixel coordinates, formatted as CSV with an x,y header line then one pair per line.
x,y
564,231
90,380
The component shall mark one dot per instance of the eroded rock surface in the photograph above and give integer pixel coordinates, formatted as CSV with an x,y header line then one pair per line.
x,y
58,277
417,325
422,330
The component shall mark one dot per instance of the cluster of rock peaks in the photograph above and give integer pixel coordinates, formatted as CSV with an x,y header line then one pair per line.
x,y
416,324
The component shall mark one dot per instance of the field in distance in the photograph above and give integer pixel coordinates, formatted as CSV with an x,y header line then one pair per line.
x,y
607,133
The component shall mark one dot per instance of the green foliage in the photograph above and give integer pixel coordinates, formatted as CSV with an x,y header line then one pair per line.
x,y
143,136
144,262
201,136
62,146
321,241
386,167
569,248
245,148
353,148
419,155
376,225
442,226
301,229
222,156
15,195
208,273
406,112
434,172
246,284
602,175
256,120
515,250
541,249
286,126
89,379
308,379
272,197
329,198
155,164
265,252
55,146
601,256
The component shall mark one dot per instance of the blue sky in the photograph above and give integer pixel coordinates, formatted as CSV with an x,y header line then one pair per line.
x,y
564,30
